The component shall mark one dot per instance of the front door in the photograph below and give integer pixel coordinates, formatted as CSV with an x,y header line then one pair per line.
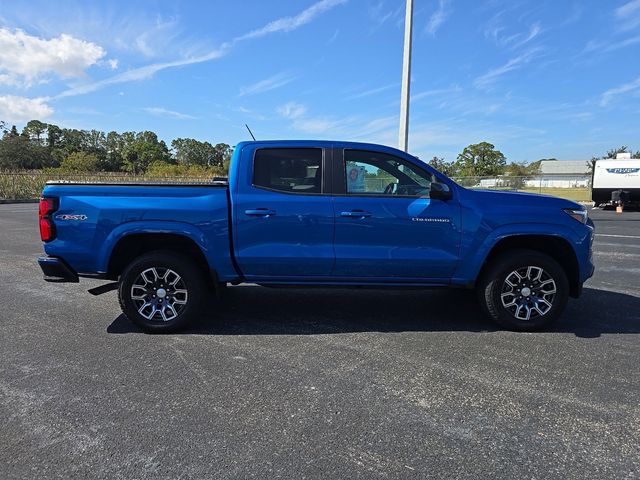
x,y
387,226
283,220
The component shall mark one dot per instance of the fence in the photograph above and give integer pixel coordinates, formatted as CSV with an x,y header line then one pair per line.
x,y
572,187
29,185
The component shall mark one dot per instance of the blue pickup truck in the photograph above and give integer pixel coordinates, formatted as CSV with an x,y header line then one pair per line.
x,y
316,213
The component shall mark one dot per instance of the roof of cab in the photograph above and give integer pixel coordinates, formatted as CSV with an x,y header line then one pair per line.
x,y
325,143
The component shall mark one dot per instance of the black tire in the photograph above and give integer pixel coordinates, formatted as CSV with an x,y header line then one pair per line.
x,y
186,306
493,285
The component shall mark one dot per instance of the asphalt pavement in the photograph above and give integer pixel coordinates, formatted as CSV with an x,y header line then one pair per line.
x,y
326,383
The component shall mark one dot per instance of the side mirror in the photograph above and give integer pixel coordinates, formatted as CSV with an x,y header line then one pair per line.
x,y
440,191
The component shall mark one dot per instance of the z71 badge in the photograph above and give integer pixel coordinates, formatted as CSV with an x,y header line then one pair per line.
x,y
67,216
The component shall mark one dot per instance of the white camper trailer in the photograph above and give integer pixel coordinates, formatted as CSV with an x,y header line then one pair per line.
x,y
619,177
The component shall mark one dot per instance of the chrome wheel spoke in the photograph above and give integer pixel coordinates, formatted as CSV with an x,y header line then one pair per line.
x,y
180,297
168,308
150,275
172,278
145,306
534,273
548,286
528,292
506,303
159,294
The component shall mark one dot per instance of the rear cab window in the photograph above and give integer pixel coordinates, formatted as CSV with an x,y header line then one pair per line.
x,y
289,170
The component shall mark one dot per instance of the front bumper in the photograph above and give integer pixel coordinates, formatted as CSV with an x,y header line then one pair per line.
x,y
56,270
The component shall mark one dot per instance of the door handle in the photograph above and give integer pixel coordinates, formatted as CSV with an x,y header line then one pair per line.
x,y
260,212
356,214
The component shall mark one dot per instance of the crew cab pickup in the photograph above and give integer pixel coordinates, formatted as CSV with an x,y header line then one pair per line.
x,y
316,213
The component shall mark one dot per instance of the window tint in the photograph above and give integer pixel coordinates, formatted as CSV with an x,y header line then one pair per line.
x,y
293,170
379,173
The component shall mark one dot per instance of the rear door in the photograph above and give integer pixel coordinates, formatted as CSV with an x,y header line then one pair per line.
x,y
283,219
387,226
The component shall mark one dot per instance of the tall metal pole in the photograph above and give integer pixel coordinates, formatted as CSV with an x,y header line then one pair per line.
x,y
403,138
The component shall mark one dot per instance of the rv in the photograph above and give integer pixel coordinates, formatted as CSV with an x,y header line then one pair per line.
x,y
616,181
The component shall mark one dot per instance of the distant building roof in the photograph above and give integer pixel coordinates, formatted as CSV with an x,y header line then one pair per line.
x,y
564,167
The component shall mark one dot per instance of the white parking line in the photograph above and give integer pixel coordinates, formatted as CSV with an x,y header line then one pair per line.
x,y
616,236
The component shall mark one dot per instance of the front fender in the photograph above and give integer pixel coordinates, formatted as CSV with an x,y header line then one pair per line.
x,y
477,252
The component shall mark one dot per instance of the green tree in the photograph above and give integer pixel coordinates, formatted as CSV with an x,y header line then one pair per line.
x,y
13,132
54,134
114,146
534,167
480,159
223,154
519,172
80,162
192,152
141,149
35,130
615,151
517,169
439,164
18,152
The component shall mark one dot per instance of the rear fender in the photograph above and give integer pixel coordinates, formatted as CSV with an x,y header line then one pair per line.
x,y
155,227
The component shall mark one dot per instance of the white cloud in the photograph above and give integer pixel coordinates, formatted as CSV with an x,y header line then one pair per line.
x,y
25,59
491,76
438,17
534,31
283,24
623,34
350,127
287,24
629,14
607,96
113,63
439,92
163,112
292,110
21,109
141,73
271,83
372,91
378,16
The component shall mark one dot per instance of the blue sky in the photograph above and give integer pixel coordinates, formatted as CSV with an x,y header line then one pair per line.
x,y
537,78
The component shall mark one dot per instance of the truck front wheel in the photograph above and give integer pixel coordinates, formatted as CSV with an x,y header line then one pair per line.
x,y
523,290
162,291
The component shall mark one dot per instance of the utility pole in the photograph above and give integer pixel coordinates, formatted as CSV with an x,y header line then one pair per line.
x,y
403,140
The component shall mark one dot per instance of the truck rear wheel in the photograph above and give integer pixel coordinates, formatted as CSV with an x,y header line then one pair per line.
x,y
524,290
162,291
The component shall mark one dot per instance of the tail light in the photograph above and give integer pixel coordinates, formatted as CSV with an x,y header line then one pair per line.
x,y
47,227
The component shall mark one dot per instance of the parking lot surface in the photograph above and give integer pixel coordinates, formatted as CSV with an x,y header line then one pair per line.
x,y
276,383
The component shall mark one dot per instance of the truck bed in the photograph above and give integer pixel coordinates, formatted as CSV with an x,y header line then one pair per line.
x,y
110,211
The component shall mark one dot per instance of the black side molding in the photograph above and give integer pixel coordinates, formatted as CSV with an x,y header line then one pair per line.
x,y
56,270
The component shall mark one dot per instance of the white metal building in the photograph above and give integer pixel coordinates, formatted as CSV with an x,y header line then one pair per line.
x,y
561,174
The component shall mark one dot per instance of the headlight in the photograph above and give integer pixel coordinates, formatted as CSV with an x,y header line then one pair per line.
x,y
579,214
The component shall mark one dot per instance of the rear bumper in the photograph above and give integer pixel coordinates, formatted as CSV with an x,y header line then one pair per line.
x,y
56,270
